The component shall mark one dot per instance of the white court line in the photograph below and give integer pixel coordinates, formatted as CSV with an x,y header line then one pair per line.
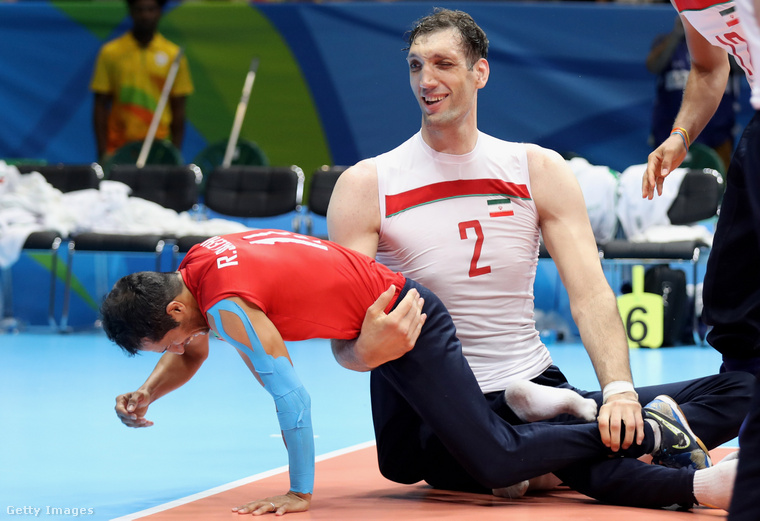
x,y
235,484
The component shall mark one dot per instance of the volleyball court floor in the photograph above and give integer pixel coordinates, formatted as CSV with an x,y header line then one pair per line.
x,y
216,443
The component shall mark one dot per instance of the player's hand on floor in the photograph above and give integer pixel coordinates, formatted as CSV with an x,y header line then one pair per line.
x,y
278,505
131,408
621,419
386,337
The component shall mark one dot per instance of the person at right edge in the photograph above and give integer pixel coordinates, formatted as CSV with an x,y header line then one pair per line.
x,y
744,504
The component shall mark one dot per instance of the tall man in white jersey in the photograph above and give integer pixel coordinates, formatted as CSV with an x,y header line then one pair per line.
x,y
462,212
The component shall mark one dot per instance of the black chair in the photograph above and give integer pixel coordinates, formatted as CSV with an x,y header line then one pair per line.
x,y
105,243
321,185
249,191
49,242
65,177
171,186
254,191
698,199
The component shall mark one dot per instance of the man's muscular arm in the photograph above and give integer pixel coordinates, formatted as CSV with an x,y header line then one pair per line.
x,y
353,220
570,240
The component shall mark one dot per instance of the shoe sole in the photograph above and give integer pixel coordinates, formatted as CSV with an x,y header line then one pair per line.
x,y
681,417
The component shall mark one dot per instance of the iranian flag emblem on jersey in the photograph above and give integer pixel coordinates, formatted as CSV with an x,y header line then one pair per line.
x,y
500,207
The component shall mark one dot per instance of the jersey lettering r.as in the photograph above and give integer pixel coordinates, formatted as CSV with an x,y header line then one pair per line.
x,y
307,287
466,227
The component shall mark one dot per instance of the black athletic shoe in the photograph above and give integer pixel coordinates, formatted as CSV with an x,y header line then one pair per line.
x,y
679,446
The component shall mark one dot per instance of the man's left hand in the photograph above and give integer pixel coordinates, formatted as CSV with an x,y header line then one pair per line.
x,y
278,505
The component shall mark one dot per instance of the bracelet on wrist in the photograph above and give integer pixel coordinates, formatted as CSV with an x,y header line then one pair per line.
x,y
684,136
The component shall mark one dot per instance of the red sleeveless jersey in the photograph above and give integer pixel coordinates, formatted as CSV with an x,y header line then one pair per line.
x,y
309,288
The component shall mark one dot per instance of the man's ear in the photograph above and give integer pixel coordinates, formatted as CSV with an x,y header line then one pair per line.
x,y
175,308
483,70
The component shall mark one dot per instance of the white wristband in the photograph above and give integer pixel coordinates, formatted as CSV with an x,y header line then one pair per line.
x,y
617,387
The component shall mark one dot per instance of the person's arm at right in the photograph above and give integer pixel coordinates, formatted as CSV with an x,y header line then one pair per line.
x,y
353,221
171,372
101,109
704,90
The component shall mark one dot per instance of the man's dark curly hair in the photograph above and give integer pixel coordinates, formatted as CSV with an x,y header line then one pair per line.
x,y
474,40
135,309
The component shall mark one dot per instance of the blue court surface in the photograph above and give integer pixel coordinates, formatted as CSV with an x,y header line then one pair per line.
x,y
64,451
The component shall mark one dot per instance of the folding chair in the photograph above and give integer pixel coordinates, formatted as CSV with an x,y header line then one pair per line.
x,y
49,242
66,178
698,199
254,191
321,185
246,192
171,186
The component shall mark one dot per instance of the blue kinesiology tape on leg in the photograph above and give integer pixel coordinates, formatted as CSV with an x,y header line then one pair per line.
x,y
291,399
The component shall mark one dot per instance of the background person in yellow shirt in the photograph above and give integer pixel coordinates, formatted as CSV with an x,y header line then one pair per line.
x,y
129,76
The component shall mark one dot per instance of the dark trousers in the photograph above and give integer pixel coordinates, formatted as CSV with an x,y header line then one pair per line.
x,y
746,162
732,279
432,423
715,407
744,504
430,398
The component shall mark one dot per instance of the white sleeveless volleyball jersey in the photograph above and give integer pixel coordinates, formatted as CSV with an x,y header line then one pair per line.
x,y
719,23
748,17
466,227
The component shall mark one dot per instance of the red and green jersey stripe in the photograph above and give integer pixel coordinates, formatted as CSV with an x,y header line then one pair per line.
x,y
427,194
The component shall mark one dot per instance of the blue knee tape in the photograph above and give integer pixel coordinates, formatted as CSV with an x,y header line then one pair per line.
x,y
290,397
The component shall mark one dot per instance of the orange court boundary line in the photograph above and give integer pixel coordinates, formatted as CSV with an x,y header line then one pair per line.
x,y
235,484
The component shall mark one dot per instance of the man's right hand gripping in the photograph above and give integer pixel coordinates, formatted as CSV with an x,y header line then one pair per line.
x,y
131,408
384,337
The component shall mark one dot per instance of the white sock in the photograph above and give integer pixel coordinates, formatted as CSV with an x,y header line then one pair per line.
x,y
533,402
657,433
515,491
714,486
545,482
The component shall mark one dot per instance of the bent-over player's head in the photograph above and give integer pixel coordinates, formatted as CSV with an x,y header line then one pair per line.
x,y
474,40
135,309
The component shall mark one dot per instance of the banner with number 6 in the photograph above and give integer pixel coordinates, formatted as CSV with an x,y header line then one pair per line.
x,y
642,313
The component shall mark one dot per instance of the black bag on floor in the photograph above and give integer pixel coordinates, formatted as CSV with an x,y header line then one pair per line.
x,y
671,284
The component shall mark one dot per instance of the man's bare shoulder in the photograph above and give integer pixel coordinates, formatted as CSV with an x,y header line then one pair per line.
x,y
550,175
540,158
362,173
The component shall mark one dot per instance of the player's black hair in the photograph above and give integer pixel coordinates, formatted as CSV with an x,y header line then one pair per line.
x,y
135,309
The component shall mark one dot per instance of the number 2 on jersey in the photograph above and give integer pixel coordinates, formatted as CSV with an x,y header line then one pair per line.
x,y
475,270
